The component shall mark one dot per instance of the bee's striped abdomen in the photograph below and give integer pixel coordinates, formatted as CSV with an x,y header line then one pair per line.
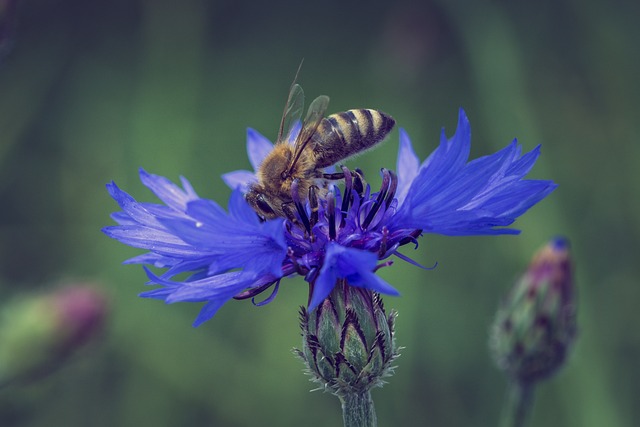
x,y
345,134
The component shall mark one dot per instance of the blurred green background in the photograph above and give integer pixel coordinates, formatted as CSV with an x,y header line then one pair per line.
x,y
91,91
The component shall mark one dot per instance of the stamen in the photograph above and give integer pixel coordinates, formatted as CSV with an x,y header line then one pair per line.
x,y
290,213
411,261
331,213
383,242
295,196
411,238
384,264
312,275
392,189
384,188
359,184
348,182
250,293
294,262
269,298
313,203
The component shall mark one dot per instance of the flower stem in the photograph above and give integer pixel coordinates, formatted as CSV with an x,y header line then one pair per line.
x,y
518,404
358,410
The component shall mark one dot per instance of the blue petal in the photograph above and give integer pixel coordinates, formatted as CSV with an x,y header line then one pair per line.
x,y
354,265
258,147
122,218
232,243
240,209
523,165
195,265
219,286
407,166
444,164
158,241
197,233
215,290
132,209
211,308
222,286
188,189
208,212
208,311
239,179
152,259
450,196
172,195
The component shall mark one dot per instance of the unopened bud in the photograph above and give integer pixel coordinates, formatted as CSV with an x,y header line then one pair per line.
x,y
536,324
348,341
38,332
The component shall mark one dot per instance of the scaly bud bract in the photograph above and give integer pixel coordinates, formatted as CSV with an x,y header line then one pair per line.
x,y
536,324
348,343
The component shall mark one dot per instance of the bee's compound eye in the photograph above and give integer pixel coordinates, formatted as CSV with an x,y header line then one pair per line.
x,y
264,206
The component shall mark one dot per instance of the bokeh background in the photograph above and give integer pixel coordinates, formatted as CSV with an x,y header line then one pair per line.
x,y
91,91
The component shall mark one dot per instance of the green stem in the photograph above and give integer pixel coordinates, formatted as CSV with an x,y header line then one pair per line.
x,y
518,405
358,410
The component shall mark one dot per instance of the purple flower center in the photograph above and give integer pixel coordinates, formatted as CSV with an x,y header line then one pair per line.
x,y
356,219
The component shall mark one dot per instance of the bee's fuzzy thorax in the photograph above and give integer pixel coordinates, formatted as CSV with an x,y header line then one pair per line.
x,y
274,164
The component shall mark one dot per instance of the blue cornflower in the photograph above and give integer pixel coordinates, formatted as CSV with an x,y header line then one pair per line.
x,y
348,236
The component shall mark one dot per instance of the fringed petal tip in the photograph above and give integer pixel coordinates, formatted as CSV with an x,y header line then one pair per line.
x,y
452,196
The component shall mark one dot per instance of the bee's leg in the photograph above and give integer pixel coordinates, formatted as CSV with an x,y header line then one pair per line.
x,y
313,202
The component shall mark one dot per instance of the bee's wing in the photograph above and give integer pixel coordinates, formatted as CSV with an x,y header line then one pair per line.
x,y
292,112
309,126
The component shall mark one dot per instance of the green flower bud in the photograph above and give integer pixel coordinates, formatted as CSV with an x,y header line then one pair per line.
x,y
536,325
348,341
38,332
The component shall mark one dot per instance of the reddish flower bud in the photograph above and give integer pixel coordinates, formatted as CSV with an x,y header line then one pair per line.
x,y
39,332
536,324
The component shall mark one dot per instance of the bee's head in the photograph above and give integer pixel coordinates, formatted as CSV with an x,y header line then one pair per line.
x,y
258,200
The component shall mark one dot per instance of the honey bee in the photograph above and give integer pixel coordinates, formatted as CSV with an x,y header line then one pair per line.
x,y
320,143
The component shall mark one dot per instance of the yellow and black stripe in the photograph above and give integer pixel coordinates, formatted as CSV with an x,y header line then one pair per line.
x,y
345,134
